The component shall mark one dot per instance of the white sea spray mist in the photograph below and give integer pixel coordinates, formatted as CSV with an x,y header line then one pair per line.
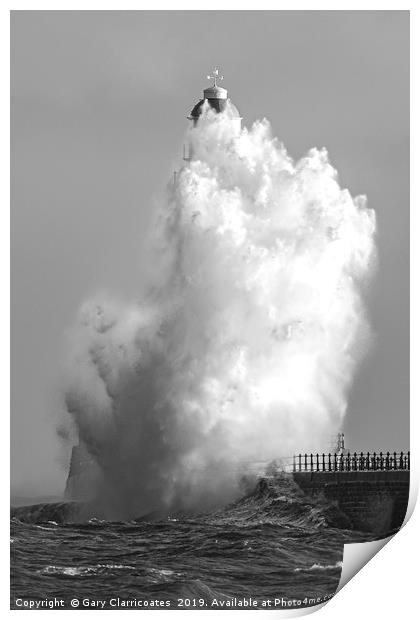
x,y
245,345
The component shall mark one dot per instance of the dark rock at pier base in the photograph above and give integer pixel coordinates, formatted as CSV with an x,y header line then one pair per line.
x,y
58,512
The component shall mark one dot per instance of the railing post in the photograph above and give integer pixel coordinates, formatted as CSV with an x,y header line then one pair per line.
x,y
335,461
317,461
368,461
329,461
341,462
355,462
361,462
306,462
387,461
374,461
381,461
323,462
348,462
401,464
300,462
395,460
294,462
312,462
408,459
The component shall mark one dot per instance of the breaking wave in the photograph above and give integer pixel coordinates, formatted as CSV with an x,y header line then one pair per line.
x,y
273,501
247,334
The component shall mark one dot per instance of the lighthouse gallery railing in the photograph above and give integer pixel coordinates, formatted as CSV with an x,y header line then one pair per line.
x,y
369,461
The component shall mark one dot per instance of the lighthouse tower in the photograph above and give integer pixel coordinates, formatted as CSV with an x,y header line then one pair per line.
x,y
217,99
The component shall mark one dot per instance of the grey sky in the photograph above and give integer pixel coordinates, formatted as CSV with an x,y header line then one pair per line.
x,y
99,101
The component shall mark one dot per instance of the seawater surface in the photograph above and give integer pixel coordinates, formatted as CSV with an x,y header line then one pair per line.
x,y
269,546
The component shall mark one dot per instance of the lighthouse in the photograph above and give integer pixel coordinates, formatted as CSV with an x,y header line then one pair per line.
x,y
214,98
217,99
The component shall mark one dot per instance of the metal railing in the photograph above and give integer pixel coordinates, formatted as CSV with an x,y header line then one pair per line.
x,y
369,461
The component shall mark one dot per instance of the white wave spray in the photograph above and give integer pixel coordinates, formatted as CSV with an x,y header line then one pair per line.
x,y
245,346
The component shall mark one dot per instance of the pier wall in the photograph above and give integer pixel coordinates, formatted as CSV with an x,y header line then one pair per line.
x,y
374,501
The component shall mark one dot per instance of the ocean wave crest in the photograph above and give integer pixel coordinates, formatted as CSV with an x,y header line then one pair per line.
x,y
320,567
81,571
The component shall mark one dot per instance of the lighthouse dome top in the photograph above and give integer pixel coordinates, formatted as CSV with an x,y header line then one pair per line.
x,y
215,92
216,98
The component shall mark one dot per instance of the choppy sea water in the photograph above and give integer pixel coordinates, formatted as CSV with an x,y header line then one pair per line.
x,y
270,549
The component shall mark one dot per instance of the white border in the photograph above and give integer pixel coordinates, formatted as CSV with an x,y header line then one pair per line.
x,y
387,585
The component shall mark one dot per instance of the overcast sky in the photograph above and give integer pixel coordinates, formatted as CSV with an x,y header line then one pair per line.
x,y
99,106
